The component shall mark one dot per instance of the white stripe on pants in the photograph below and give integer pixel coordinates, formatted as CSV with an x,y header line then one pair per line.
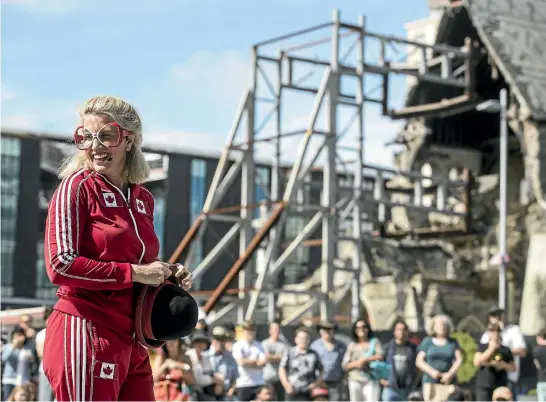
x,y
364,390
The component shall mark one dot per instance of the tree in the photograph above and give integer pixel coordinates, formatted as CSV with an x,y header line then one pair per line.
x,y
468,346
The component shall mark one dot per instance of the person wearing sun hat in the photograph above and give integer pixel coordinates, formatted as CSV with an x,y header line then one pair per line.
x,y
331,352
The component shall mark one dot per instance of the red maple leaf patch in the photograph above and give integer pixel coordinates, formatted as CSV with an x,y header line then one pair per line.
x,y
107,371
110,199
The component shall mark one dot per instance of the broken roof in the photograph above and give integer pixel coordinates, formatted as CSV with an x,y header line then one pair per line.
x,y
514,33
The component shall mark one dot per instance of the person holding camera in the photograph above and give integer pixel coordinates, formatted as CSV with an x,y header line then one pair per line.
x,y
494,361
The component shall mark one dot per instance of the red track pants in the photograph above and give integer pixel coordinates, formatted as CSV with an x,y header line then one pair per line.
x,y
86,362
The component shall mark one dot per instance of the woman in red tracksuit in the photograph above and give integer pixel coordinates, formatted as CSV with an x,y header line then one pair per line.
x,y
99,242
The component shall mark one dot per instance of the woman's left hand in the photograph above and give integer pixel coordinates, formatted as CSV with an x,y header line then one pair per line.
x,y
185,276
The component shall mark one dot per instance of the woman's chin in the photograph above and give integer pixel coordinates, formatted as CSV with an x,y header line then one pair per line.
x,y
102,167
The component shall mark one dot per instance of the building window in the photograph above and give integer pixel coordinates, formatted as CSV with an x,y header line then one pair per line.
x,y
263,187
198,187
10,153
297,265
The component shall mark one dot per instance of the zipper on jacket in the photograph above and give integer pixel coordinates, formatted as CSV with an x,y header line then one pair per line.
x,y
127,200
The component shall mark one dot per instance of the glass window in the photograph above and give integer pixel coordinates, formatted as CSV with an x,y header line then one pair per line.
x,y
263,187
297,265
10,152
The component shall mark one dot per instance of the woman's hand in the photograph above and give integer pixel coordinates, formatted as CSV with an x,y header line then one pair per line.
x,y
153,274
363,363
184,275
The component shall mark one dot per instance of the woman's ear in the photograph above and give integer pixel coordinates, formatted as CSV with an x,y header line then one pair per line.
x,y
128,143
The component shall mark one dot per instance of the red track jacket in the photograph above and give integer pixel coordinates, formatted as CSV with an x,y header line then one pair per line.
x,y
93,235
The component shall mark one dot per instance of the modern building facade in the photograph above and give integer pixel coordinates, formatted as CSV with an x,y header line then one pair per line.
x,y
179,182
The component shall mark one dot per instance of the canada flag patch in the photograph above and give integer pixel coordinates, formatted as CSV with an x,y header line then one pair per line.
x,y
110,200
140,206
108,371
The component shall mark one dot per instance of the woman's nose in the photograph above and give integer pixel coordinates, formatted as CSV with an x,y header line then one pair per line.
x,y
96,144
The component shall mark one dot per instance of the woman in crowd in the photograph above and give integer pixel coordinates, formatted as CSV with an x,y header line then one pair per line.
x,y
439,357
173,373
365,348
100,242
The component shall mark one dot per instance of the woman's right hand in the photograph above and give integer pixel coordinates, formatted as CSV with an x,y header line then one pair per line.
x,y
153,274
362,363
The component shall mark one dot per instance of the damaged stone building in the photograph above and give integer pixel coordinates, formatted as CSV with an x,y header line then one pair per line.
x,y
429,263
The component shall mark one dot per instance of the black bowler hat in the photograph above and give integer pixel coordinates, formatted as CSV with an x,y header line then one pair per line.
x,y
163,313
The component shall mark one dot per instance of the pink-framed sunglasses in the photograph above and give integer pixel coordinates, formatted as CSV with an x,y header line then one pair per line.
x,y
110,135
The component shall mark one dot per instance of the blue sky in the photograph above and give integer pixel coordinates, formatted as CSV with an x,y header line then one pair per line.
x,y
184,64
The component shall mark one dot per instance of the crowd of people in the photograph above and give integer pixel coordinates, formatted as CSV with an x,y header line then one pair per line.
x,y
101,249
212,365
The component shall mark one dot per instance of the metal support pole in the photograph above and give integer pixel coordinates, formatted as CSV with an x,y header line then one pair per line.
x,y
248,193
502,196
330,179
276,182
359,167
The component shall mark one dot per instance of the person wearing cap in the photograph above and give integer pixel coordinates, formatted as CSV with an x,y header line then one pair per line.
x,y
300,370
250,357
512,338
331,352
274,349
493,361
223,364
205,378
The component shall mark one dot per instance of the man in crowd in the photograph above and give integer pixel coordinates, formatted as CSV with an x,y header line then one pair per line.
x,y
330,352
250,358
494,361
222,363
513,339
300,369
400,354
16,359
274,349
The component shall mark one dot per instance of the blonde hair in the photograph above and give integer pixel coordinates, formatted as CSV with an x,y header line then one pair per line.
x,y
445,319
26,388
136,168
